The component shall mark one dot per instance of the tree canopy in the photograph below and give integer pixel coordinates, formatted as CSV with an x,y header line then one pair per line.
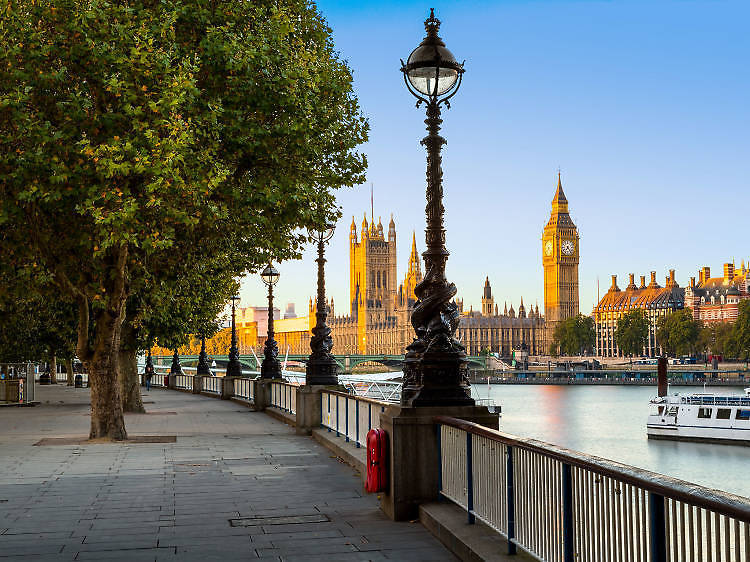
x,y
632,331
678,333
132,131
575,335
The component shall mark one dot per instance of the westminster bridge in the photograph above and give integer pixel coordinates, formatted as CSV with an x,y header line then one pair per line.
x,y
345,362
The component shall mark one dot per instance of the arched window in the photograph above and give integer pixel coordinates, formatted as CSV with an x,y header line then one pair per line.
x,y
384,278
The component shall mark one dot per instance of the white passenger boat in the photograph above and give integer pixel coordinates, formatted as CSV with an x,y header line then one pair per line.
x,y
706,417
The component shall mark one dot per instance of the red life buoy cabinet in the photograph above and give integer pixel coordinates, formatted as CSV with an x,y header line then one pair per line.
x,y
377,461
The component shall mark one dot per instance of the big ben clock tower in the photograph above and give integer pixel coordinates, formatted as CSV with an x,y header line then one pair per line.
x,y
560,259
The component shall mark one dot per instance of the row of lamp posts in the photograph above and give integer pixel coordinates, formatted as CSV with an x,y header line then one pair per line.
x,y
435,364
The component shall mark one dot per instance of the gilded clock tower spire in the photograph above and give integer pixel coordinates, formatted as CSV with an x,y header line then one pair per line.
x,y
560,260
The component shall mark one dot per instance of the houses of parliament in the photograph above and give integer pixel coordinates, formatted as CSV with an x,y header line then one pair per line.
x,y
377,317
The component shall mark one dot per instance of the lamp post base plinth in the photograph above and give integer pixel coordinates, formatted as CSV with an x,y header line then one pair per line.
x,y
270,369
234,368
322,372
436,379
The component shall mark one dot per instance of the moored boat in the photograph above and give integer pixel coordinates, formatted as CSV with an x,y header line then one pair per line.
x,y
706,417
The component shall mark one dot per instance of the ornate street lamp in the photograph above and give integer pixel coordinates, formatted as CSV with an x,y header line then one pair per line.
x,y
271,367
176,367
234,369
203,368
435,365
321,367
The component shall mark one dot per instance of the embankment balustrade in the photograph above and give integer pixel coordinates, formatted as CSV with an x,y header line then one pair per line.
x,y
556,504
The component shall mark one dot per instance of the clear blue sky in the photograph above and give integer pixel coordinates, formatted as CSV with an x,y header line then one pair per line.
x,y
643,105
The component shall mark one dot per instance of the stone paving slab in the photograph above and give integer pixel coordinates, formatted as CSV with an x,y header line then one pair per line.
x,y
174,501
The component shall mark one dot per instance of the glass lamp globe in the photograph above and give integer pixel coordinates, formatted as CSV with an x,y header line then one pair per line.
x,y
431,68
270,275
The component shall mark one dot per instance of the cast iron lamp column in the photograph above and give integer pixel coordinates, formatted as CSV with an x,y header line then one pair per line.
x,y
203,368
322,368
234,368
271,367
435,365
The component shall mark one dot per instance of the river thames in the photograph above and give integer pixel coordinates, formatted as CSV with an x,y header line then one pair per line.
x,y
610,422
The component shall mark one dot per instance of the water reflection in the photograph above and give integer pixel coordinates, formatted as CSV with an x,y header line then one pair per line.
x,y
610,422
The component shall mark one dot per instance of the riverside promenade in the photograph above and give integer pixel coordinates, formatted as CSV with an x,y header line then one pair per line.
x,y
233,484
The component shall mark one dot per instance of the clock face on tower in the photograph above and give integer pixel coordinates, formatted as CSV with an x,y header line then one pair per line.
x,y
548,248
567,247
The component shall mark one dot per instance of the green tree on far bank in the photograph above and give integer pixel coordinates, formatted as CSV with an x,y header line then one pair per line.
x,y
575,335
678,333
715,338
631,332
738,343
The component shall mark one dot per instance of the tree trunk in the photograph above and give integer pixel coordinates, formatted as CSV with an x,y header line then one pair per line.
x,y
129,383
53,370
69,371
107,420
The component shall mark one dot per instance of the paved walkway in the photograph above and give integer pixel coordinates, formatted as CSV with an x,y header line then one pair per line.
x,y
236,485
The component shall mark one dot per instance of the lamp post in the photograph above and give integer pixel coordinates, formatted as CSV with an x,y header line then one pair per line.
x,y
271,367
322,368
435,365
203,368
234,369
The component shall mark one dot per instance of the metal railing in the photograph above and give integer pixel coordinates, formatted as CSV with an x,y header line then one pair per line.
x,y
212,385
284,396
244,388
184,382
350,416
561,505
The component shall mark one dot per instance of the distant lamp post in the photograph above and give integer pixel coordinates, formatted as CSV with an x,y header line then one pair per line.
x,y
322,368
176,367
435,365
271,367
234,368
203,368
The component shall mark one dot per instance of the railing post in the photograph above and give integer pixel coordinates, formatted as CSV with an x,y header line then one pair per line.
x,y
657,527
469,481
567,506
346,419
337,416
511,501
439,439
329,413
356,418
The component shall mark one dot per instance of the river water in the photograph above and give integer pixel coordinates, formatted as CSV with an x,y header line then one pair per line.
x,y
610,422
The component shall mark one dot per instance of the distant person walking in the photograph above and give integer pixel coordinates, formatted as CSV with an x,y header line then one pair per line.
x,y
149,373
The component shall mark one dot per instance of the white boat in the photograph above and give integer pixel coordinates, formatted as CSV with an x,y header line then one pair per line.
x,y
706,417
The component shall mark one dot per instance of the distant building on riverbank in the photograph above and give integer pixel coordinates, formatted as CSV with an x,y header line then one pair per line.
x,y
717,299
655,300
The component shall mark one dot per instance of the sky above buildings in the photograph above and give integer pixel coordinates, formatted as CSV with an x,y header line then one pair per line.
x,y
643,106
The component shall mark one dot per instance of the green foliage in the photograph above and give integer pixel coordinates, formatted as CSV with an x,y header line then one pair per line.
x,y
137,136
678,333
575,335
738,342
36,321
632,331
715,338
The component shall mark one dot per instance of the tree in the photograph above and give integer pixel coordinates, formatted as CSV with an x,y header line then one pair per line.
x,y
38,324
575,335
632,331
714,338
738,343
678,333
130,129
